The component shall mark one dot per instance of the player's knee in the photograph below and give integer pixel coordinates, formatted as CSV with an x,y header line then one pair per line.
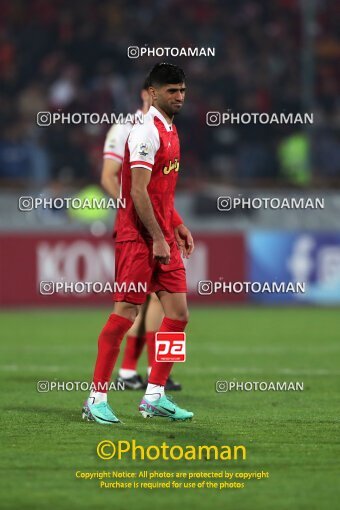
x,y
133,312
181,315
127,310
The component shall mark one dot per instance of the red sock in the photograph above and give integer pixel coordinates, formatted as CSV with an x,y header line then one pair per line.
x,y
150,342
133,349
161,371
108,349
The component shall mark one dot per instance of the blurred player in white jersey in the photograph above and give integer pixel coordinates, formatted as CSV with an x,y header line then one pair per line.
x,y
151,314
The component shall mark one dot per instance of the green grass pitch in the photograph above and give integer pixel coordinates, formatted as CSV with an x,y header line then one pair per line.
x,y
293,435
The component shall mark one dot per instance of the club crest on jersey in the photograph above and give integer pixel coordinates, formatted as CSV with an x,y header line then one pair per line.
x,y
143,149
171,166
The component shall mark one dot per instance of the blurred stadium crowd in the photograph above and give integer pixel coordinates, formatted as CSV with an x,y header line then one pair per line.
x,y
73,56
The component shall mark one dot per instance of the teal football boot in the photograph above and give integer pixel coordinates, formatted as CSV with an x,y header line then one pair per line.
x,y
101,413
164,407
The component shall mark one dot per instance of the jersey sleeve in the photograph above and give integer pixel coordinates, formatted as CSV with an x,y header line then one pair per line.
x,y
143,146
115,142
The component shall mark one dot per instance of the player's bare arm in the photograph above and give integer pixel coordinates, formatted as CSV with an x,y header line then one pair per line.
x,y
184,240
109,177
140,196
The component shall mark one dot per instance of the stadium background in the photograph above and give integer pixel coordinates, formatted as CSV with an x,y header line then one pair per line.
x,y
278,56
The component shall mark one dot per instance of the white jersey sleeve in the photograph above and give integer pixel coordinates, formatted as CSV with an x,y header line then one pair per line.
x,y
116,137
143,145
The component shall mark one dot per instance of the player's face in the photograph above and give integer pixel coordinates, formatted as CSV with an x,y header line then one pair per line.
x,y
170,98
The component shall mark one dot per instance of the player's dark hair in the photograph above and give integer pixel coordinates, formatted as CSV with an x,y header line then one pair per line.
x,y
164,73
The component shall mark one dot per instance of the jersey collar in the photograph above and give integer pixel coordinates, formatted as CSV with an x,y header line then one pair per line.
x,y
155,113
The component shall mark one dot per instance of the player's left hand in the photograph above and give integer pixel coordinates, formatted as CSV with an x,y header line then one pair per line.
x,y
184,240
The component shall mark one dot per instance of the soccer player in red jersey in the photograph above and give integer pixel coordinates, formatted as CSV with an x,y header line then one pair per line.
x,y
151,314
146,248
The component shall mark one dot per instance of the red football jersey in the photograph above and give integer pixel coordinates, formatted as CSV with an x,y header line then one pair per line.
x,y
154,146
